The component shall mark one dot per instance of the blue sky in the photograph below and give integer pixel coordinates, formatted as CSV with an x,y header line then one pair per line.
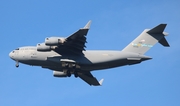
x,y
115,23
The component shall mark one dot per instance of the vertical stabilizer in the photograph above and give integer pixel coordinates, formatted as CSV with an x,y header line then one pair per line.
x,y
147,39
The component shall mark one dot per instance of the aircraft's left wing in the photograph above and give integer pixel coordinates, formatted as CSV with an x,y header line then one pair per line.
x,y
75,43
88,78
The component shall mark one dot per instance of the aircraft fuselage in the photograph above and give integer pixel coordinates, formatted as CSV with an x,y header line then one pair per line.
x,y
90,60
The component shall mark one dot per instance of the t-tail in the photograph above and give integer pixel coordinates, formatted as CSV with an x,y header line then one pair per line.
x,y
147,39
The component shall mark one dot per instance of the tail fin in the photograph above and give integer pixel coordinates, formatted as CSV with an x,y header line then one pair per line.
x,y
147,39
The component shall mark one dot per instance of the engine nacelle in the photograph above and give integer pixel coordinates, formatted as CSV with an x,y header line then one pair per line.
x,y
54,41
59,74
43,47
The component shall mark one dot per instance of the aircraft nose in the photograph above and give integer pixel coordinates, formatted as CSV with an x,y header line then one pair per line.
x,y
11,55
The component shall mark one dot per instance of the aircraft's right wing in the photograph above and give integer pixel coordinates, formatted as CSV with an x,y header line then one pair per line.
x,y
88,78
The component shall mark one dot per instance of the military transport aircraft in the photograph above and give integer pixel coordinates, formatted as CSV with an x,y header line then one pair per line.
x,y
67,55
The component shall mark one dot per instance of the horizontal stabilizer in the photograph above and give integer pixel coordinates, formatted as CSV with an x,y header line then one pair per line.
x,y
158,29
164,42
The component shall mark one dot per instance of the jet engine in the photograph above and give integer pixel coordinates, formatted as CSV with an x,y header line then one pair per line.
x,y
43,47
54,41
59,74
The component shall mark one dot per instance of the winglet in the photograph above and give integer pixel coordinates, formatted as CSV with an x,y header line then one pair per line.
x,y
101,81
87,26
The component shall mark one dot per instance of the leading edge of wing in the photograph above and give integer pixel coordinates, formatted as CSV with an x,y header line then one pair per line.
x,y
90,79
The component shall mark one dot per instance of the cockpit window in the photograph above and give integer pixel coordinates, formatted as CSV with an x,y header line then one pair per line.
x,y
13,51
17,49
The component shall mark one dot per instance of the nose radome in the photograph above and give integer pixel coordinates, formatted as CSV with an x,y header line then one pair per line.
x,y
10,55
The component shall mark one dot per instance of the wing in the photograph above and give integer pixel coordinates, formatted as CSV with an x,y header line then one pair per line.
x,y
88,78
75,43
